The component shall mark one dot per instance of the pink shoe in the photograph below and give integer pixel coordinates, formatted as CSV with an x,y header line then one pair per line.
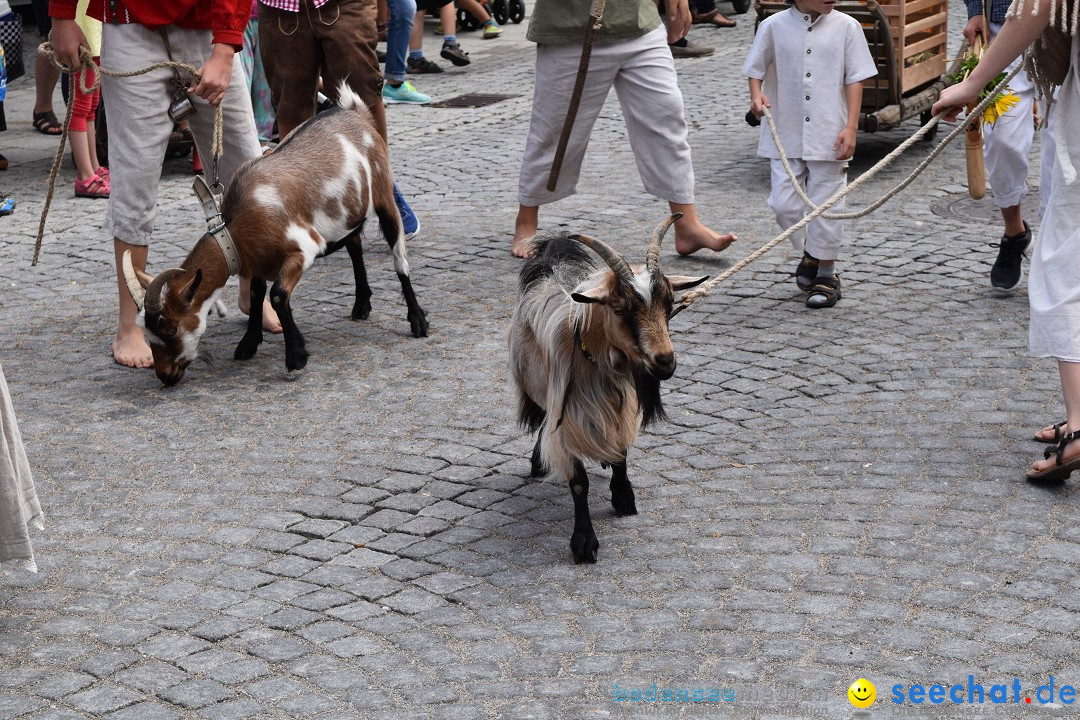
x,y
92,187
103,172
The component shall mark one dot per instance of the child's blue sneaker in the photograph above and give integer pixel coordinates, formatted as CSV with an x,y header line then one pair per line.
x,y
7,206
409,223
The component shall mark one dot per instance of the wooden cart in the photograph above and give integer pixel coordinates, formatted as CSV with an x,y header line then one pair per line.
x,y
907,39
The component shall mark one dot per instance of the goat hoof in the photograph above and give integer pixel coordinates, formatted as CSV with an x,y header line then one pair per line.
x,y
624,505
418,323
246,349
297,360
584,547
361,311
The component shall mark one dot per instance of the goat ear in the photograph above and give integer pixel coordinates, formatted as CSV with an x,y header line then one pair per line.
x,y
596,295
684,282
187,294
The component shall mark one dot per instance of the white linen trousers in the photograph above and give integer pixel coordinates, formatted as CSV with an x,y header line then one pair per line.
x,y
1054,286
642,72
820,179
1007,144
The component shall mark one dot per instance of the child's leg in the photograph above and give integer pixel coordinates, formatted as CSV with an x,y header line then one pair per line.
x,y
448,17
785,202
824,179
85,165
525,225
91,130
823,237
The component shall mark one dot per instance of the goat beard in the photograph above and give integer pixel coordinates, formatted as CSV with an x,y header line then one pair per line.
x,y
648,395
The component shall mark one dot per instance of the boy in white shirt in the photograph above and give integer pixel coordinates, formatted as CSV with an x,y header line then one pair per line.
x,y
807,65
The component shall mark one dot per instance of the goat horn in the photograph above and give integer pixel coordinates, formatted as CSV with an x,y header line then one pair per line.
x,y
133,284
608,254
152,301
652,256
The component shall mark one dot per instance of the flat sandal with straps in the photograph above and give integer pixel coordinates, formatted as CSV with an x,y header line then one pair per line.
x,y
1062,469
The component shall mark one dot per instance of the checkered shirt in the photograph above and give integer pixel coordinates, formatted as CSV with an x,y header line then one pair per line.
x,y
996,9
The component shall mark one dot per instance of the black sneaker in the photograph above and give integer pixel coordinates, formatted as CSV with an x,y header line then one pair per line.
x,y
422,65
1008,269
806,271
454,53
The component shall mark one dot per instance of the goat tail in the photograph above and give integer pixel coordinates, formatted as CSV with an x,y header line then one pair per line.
x,y
348,99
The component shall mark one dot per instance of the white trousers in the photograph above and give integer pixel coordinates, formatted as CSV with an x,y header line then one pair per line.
x,y
643,74
1007,145
139,126
820,179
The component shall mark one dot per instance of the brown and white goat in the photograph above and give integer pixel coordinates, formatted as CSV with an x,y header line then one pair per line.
x,y
304,200
589,347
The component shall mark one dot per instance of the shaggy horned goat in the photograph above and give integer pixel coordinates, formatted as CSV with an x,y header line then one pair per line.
x,y
306,199
589,347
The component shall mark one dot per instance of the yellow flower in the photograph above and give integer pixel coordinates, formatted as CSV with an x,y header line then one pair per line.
x,y
999,107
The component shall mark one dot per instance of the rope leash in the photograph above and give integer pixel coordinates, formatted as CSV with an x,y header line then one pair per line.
x,y
819,210
87,62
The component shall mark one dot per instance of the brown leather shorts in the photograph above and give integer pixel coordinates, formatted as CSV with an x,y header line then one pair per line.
x,y
336,40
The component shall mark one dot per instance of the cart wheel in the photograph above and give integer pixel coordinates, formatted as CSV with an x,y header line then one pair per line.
x,y
466,21
741,6
517,11
924,118
501,11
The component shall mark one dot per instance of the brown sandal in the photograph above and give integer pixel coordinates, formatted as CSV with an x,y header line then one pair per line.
x,y
46,123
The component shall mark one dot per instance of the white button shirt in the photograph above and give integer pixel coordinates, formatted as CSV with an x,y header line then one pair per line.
x,y
804,66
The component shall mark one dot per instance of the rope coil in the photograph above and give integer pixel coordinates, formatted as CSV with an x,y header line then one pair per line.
x,y
819,210
86,61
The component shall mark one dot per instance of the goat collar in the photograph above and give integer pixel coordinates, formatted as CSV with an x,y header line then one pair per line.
x,y
215,225
581,344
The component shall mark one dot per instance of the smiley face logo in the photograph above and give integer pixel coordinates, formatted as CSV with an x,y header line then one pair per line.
x,y
862,693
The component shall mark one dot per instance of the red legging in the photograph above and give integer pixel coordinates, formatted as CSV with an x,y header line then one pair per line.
x,y
85,106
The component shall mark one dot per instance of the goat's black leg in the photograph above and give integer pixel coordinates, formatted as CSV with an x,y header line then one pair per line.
x,y
583,543
295,353
622,494
362,307
538,468
249,344
390,223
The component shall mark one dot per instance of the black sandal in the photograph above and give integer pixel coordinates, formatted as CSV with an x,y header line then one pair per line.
x,y
806,271
1061,469
47,124
1057,433
826,288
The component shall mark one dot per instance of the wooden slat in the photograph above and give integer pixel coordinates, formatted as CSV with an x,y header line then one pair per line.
x,y
924,72
930,43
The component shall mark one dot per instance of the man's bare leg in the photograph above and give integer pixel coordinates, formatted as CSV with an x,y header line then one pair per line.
x,y
130,347
270,321
528,219
692,235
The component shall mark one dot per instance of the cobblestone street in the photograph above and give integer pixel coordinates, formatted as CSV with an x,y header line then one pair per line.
x,y
838,493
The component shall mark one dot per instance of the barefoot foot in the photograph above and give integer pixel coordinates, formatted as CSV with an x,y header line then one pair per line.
x,y
270,321
131,350
691,238
523,247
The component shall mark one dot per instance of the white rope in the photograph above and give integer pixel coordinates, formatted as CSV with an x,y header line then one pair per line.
x,y
819,210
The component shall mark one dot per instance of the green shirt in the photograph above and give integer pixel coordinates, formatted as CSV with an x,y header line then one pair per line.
x,y
564,21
